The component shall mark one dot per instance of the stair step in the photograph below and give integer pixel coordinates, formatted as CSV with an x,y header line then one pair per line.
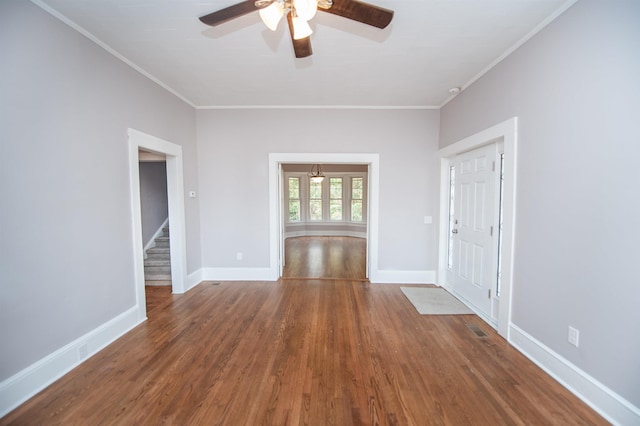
x,y
159,250
157,265
152,261
158,256
158,277
163,269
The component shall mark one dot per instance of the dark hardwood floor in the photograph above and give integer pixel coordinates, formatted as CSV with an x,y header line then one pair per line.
x,y
317,352
325,258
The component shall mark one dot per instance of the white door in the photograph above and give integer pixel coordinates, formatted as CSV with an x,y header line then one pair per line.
x,y
474,240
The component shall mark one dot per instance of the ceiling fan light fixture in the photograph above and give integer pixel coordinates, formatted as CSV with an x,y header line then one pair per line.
x,y
301,28
272,14
298,14
324,4
305,9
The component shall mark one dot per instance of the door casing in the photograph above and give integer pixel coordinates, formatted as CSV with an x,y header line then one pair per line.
x,y
175,196
506,134
276,201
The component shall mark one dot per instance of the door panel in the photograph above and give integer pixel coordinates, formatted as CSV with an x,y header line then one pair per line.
x,y
474,246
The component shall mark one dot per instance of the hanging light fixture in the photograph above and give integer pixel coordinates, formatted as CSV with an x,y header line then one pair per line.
x,y
316,176
302,11
272,14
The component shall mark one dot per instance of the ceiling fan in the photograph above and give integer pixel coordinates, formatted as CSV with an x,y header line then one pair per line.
x,y
298,13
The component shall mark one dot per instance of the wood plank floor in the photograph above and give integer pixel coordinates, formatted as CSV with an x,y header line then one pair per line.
x,y
325,258
303,351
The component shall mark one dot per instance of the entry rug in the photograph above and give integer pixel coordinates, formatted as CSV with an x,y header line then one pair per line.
x,y
435,301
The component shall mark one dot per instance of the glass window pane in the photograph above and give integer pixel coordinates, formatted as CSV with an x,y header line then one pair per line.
x,y
294,199
294,210
452,185
356,210
335,186
356,188
335,201
335,210
315,209
294,188
315,190
315,200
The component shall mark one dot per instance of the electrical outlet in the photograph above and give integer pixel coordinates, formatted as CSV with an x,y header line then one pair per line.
x,y
574,336
239,255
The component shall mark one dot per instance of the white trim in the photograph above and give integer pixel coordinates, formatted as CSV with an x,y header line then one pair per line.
x,y
606,402
238,274
151,242
266,274
388,276
355,234
25,384
193,279
108,48
175,196
373,187
356,107
506,132
513,48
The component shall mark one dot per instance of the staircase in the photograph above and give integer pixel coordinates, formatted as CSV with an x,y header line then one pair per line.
x,y
157,265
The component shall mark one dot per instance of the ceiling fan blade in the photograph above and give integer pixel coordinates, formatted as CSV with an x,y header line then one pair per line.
x,y
229,13
362,12
301,47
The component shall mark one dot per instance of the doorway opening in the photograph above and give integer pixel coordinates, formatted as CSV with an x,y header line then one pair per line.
x,y
461,255
172,153
278,212
325,221
155,219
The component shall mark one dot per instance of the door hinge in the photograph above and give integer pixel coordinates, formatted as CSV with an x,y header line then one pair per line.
x,y
489,295
491,231
493,167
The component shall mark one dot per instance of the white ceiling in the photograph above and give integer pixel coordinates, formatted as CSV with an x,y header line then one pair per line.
x,y
429,47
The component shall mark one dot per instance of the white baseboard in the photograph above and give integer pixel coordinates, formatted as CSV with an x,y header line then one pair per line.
x,y
268,274
193,279
238,274
606,402
402,277
356,234
23,385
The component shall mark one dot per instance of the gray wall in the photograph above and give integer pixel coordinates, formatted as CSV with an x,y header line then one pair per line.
x,y
66,260
153,197
576,90
233,148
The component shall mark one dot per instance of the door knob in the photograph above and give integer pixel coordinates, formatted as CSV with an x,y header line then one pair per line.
x,y
454,231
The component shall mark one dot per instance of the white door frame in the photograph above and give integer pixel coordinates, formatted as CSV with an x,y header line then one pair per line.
x,y
175,197
275,201
505,132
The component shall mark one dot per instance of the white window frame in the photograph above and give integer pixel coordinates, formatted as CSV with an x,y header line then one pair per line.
x,y
364,197
287,199
346,198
